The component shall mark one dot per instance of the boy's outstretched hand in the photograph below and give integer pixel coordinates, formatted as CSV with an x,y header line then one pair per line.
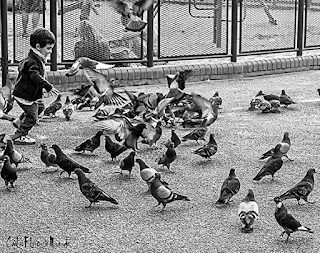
x,y
53,92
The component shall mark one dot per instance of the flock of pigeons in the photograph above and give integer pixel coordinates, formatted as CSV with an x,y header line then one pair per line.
x,y
125,118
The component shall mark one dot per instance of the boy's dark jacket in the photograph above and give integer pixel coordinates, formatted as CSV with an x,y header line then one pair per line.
x,y
30,81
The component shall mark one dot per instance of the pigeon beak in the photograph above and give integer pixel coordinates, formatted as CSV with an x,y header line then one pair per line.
x,y
74,69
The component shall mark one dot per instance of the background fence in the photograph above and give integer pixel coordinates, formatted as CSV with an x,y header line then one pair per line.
x,y
182,29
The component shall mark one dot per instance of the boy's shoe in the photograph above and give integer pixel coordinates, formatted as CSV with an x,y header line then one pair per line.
x,y
16,123
24,140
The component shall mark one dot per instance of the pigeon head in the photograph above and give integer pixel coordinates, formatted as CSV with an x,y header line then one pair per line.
x,y
157,175
43,146
286,134
283,92
141,163
260,93
311,172
232,172
78,172
250,195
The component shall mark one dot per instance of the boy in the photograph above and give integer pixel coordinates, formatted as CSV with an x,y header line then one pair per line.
x,y
31,81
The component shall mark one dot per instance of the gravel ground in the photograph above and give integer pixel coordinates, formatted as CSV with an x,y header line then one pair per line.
x,y
46,205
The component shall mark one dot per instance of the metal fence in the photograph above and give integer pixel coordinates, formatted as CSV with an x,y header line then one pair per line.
x,y
182,29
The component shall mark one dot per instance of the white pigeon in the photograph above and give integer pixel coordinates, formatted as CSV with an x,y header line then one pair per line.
x,y
248,212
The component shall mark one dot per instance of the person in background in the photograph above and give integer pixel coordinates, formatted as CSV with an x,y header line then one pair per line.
x,y
27,7
30,84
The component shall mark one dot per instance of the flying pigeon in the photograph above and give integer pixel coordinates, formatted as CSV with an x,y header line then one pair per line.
x,y
55,106
90,144
132,18
127,163
302,189
15,157
198,133
248,212
180,79
272,165
91,191
152,134
8,172
285,145
168,157
287,221
285,99
65,163
163,194
67,108
230,187
47,158
209,149
113,148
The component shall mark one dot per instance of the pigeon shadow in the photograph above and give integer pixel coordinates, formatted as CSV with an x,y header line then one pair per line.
x,y
99,207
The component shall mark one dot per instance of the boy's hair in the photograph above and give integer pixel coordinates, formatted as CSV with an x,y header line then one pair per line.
x,y
42,36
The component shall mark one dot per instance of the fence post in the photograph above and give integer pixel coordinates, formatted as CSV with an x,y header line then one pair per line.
x,y
300,28
234,30
53,28
4,40
150,38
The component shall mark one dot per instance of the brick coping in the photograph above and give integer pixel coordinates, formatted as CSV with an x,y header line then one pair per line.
x,y
132,76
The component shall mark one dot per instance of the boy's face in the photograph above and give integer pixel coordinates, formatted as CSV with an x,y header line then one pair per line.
x,y
45,51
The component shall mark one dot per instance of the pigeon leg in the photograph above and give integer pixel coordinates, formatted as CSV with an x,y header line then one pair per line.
x,y
289,158
164,206
282,233
288,237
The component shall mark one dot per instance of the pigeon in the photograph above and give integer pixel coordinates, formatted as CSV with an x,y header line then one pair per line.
x,y
209,111
302,189
65,163
67,108
15,157
174,138
168,157
272,165
287,221
127,163
90,144
268,97
285,99
198,133
162,194
91,191
132,18
216,99
131,140
8,172
285,147
152,134
230,187
2,142
275,105
47,158
148,174
103,87
86,62
209,149
113,148
318,91
53,107
118,125
181,79
248,212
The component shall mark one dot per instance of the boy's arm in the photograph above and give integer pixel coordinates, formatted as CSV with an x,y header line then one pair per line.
x,y
38,79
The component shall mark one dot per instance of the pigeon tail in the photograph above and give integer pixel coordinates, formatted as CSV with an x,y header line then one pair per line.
x,y
180,197
305,229
108,198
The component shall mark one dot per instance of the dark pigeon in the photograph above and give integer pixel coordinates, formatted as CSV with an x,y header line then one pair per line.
x,y
8,172
127,163
287,221
90,144
47,158
168,157
272,165
302,189
209,149
113,148
229,188
91,191
65,163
